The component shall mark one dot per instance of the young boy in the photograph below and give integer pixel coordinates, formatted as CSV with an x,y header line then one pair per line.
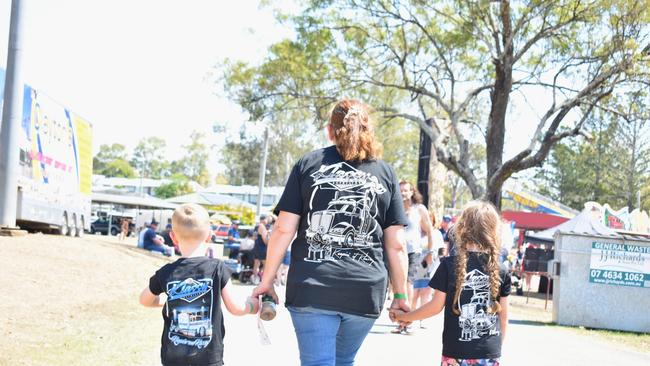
x,y
193,286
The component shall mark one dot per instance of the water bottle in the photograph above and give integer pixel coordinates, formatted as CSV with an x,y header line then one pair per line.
x,y
268,308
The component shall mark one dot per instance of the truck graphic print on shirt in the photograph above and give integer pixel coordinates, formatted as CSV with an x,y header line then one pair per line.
x,y
189,306
347,226
475,321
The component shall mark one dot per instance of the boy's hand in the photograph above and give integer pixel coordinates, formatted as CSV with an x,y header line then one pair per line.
x,y
265,289
252,305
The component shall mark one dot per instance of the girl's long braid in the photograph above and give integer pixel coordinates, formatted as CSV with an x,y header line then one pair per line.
x,y
495,279
461,272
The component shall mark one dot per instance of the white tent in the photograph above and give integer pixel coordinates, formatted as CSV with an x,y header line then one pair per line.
x,y
586,223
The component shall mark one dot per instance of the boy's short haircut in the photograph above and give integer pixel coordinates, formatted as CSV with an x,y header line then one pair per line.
x,y
190,222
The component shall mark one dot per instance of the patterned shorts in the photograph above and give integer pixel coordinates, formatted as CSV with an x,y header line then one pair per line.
x,y
448,361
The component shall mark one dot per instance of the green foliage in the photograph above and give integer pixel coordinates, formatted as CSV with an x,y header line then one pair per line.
x,y
148,158
194,163
612,167
106,155
244,214
178,186
289,138
118,168
446,58
401,142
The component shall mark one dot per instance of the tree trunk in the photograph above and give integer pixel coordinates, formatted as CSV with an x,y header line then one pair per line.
x,y
437,184
494,138
499,97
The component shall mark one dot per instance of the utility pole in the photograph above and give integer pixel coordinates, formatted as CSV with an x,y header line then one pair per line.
x,y
11,120
260,192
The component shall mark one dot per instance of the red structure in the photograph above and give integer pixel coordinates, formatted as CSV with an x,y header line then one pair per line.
x,y
533,221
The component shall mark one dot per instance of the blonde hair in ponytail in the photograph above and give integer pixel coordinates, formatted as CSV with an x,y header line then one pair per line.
x,y
353,132
480,224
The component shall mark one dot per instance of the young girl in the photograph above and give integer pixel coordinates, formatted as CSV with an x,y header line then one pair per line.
x,y
473,290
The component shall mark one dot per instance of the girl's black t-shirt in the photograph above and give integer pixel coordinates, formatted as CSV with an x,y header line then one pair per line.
x,y
193,321
475,333
337,258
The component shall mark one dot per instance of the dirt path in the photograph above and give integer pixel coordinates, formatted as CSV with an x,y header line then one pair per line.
x,y
70,301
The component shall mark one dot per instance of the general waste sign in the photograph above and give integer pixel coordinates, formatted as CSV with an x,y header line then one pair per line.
x,y
620,264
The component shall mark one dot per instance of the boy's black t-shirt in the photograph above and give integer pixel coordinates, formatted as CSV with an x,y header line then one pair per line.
x,y
337,257
193,331
476,333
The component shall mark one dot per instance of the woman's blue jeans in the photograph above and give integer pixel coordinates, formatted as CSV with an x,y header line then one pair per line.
x,y
328,338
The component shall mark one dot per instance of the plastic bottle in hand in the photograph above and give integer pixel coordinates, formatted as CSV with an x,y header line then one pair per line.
x,y
268,308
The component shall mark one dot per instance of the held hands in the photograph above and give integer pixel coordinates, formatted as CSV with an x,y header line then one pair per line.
x,y
397,311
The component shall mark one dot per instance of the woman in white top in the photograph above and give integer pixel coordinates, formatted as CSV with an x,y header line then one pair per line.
x,y
419,223
421,290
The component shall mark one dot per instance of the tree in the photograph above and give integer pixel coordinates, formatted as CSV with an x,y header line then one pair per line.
x,y
611,167
118,168
195,163
178,186
111,161
455,56
148,158
242,160
633,139
289,138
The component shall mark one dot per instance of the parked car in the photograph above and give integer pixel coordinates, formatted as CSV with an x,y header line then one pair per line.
x,y
100,225
220,233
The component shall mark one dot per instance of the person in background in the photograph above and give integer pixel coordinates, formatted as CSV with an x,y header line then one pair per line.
x,y
259,250
421,290
153,242
143,230
233,240
125,228
419,223
446,229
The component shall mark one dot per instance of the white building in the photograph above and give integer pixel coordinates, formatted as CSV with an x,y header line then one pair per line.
x,y
132,186
270,195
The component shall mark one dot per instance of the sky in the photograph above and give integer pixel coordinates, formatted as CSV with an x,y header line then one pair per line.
x,y
139,68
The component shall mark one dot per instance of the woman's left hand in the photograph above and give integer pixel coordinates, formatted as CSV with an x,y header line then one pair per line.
x,y
398,304
265,289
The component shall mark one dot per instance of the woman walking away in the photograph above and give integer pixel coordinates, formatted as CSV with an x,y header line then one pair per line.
x,y
472,288
345,208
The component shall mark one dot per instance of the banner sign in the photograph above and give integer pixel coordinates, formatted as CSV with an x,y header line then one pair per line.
x,y
620,264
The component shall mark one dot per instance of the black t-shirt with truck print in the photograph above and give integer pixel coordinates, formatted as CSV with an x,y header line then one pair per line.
x,y
337,258
193,321
475,333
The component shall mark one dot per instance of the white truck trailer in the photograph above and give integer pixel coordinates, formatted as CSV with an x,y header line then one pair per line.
x,y
55,174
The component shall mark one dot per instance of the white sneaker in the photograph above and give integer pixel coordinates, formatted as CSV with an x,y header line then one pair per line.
x,y
255,280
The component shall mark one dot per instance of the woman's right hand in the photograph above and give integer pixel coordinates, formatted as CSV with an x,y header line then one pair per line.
x,y
265,289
